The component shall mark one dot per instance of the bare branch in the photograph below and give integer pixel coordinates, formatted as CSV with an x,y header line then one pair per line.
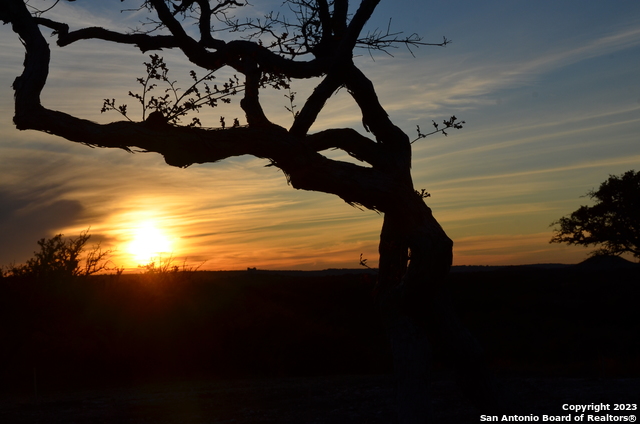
x,y
38,12
356,25
340,10
325,19
143,41
192,49
182,146
227,52
206,12
374,117
378,40
315,103
350,141
204,20
251,102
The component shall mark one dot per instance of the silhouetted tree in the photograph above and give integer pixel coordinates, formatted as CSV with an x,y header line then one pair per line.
x,y
613,222
60,259
318,41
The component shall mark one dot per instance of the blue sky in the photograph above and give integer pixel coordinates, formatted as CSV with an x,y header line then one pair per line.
x,y
550,92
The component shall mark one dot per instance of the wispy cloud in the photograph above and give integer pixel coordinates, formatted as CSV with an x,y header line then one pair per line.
x,y
513,249
464,80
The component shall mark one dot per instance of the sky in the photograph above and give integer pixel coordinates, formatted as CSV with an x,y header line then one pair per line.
x,y
549,91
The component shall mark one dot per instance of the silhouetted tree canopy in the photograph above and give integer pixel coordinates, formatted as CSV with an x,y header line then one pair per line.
x,y
62,258
613,222
311,40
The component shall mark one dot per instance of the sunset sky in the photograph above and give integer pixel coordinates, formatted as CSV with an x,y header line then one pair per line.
x,y
550,92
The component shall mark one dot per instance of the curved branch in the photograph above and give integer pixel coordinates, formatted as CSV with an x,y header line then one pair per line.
x,y
180,146
251,101
204,21
196,51
350,141
144,42
229,52
315,103
396,143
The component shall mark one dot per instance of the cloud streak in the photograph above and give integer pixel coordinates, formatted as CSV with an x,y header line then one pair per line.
x,y
464,80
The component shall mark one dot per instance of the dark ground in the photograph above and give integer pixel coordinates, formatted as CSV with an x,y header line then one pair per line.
x,y
338,399
247,347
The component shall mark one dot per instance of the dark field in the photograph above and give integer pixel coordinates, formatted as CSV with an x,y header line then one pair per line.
x,y
284,348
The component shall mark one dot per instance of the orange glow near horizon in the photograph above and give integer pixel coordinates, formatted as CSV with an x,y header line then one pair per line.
x,y
148,242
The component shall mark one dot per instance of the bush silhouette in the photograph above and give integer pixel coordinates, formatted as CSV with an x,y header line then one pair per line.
x,y
61,258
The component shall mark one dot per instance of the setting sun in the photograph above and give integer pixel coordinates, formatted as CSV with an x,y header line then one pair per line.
x,y
148,242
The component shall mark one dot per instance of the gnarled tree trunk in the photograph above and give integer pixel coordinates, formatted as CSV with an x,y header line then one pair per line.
x,y
417,310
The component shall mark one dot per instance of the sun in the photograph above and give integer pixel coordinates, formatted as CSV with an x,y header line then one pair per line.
x,y
148,242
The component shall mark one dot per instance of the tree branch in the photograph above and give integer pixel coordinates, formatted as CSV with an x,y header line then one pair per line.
x,y
325,18
197,52
229,52
350,141
354,28
251,101
315,103
182,146
144,42
340,9
204,21
376,120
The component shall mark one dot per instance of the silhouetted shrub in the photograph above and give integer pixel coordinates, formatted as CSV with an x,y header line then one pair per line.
x,y
61,258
